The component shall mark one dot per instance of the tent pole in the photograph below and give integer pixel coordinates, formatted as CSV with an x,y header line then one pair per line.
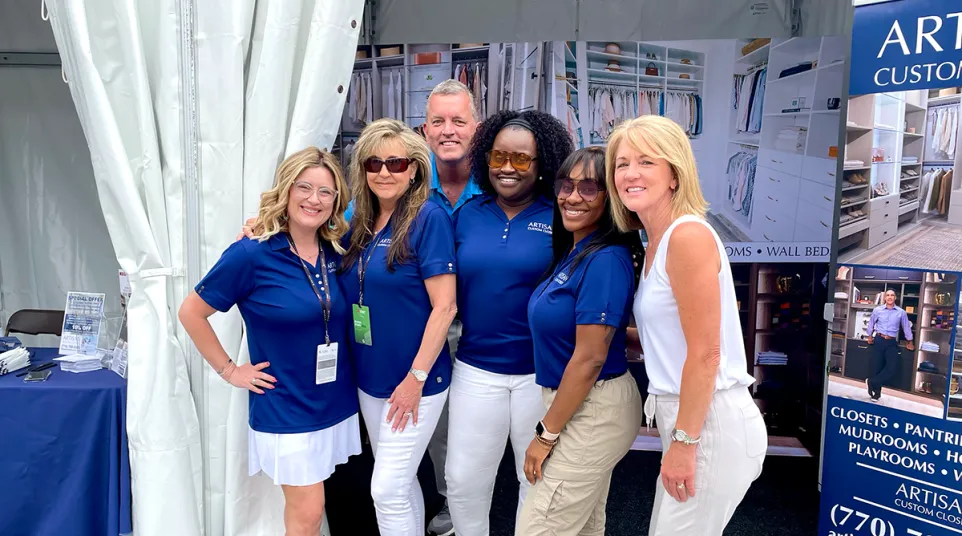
x,y
192,230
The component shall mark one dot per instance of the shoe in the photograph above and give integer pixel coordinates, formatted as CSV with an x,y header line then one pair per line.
x,y
441,524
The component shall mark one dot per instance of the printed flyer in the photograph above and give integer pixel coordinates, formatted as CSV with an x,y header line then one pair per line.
x,y
892,457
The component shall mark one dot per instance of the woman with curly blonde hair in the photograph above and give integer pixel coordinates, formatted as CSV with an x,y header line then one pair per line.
x,y
303,399
399,272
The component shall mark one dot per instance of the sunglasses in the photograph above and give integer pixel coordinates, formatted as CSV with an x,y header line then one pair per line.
x,y
394,165
519,161
587,188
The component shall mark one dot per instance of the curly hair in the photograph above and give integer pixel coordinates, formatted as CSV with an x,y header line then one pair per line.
x,y
367,208
552,143
272,215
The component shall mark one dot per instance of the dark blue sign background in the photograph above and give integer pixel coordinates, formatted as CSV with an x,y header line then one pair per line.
x,y
888,480
923,67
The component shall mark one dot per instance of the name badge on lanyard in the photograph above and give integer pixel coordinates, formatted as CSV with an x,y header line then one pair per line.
x,y
326,358
362,315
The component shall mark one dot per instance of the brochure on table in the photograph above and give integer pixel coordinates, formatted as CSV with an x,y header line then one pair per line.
x,y
762,115
893,467
82,322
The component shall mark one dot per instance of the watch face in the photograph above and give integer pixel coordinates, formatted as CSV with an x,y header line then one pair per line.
x,y
539,429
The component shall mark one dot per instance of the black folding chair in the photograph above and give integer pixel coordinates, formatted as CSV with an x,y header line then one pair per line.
x,y
35,322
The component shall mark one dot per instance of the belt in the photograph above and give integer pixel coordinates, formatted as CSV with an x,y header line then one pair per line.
x,y
612,376
884,336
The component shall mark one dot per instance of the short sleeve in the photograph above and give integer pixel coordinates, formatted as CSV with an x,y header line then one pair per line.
x,y
606,289
230,280
435,243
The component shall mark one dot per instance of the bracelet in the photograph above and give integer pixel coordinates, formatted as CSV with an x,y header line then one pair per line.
x,y
544,442
229,367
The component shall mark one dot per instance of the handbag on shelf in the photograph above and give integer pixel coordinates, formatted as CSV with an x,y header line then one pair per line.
x,y
651,69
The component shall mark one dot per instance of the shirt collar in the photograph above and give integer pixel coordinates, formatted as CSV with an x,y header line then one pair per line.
x,y
278,241
471,189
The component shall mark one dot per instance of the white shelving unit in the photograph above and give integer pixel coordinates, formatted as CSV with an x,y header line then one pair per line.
x,y
637,66
885,131
794,186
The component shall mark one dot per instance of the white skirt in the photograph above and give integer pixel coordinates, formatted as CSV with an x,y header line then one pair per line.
x,y
306,458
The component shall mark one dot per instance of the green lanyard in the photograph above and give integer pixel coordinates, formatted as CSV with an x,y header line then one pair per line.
x,y
326,300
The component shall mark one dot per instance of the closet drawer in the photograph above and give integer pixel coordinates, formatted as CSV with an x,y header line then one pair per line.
x,y
805,233
882,216
821,170
817,194
772,221
883,203
904,275
779,186
878,235
425,77
861,272
815,217
780,161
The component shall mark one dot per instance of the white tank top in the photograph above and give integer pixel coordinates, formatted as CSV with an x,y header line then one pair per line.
x,y
659,325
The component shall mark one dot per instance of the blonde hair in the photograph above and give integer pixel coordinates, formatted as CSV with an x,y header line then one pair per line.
x,y
272,215
669,142
366,208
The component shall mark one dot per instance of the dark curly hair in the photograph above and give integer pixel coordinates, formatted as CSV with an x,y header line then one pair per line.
x,y
551,140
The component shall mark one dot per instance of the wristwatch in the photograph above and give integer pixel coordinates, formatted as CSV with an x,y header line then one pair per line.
x,y
419,375
543,432
682,437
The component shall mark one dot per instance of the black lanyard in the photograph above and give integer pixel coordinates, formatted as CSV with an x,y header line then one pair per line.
x,y
362,265
326,300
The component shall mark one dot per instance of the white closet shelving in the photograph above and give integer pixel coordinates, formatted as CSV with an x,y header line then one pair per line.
x,y
942,148
628,70
790,197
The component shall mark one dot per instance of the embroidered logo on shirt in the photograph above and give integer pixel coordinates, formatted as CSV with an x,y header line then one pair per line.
x,y
384,243
540,227
561,278
331,267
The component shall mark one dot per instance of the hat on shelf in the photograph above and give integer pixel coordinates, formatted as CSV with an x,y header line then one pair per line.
x,y
613,65
613,48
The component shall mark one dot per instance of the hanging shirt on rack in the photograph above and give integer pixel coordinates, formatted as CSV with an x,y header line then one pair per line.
x,y
741,181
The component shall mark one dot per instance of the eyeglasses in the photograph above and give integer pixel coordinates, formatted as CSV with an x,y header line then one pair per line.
x,y
305,191
519,161
587,188
394,165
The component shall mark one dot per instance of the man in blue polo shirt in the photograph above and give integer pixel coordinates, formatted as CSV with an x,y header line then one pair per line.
x,y
449,128
885,322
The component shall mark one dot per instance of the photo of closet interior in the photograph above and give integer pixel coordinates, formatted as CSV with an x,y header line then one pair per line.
x,y
901,202
924,309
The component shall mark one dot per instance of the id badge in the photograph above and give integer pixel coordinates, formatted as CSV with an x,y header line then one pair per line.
x,y
326,363
362,325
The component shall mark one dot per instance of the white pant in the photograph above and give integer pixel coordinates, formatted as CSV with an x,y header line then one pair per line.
x,y
397,495
728,459
438,447
484,409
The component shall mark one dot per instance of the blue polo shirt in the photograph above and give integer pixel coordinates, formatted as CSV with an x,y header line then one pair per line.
x,y
599,290
399,304
285,324
499,265
471,190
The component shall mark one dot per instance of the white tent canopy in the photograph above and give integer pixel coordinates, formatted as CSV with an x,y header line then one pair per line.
x,y
174,115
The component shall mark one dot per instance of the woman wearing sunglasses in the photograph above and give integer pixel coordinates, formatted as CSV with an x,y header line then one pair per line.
x,y
399,273
713,436
578,317
303,396
503,241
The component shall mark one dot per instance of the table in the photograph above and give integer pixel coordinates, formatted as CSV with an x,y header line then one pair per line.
x,y
64,467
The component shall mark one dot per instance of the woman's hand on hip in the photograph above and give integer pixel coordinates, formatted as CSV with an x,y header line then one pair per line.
x,y
678,471
251,377
404,403
534,459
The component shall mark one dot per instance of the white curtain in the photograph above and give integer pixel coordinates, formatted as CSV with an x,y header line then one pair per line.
x,y
272,77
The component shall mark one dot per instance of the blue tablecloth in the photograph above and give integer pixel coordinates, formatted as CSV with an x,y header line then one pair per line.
x,y
63,453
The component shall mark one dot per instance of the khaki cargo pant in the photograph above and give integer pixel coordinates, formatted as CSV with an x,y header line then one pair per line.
x,y
571,498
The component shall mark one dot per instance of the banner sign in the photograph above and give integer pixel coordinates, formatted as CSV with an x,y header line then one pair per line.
x,y
890,472
905,45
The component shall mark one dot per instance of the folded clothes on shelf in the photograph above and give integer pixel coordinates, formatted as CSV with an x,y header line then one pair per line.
x,y
771,358
854,163
928,367
929,346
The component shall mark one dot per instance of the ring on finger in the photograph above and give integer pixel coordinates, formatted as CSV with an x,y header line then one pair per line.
x,y
681,485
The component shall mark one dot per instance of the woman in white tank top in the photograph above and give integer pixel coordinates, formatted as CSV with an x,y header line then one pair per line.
x,y
713,434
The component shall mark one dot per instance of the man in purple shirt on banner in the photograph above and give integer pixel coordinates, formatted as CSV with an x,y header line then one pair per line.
x,y
885,323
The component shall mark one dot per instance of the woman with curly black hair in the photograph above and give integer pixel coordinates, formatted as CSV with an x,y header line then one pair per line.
x,y
503,242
